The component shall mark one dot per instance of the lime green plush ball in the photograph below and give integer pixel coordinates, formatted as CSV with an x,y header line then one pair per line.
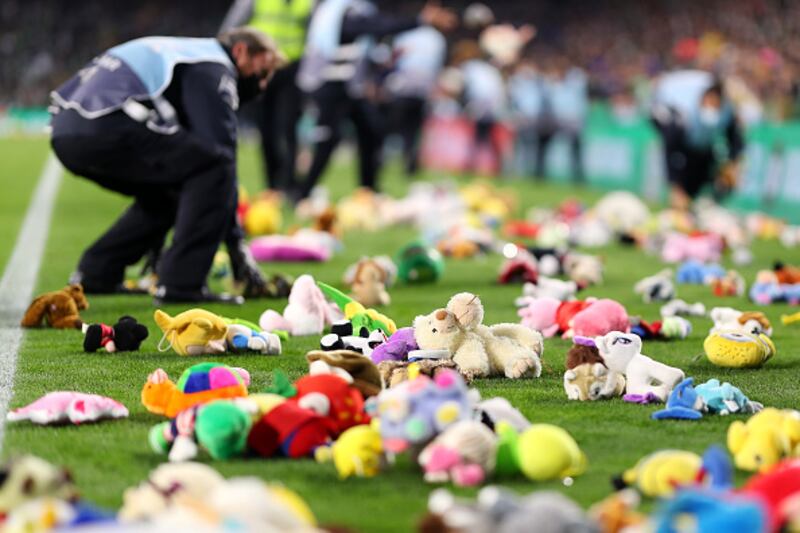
x,y
548,452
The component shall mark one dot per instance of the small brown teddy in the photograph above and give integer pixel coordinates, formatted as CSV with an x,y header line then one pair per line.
x,y
58,308
395,372
369,279
352,366
581,354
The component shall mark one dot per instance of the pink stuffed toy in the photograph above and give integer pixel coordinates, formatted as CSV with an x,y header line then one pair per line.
x,y
287,249
308,312
706,248
69,407
601,317
464,453
540,314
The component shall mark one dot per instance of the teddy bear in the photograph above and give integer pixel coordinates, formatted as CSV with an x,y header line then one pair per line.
x,y
58,308
512,350
622,353
369,278
124,336
765,439
193,332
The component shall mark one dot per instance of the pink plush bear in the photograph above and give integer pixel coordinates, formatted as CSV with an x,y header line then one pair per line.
x,y
540,314
603,316
308,312
705,248
64,406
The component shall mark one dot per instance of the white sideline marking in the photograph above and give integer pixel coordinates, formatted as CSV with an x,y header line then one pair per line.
x,y
19,278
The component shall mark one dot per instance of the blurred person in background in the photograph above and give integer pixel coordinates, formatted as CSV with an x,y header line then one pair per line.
x,y
278,111
154,119
335,72
420,55
484,97
693,117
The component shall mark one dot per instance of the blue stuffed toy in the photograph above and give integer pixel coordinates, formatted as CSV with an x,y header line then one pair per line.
x,y
683,403
697,273
724,398
711,512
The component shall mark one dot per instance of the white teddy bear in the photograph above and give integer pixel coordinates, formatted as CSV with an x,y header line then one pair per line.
x,y
512,350
622,353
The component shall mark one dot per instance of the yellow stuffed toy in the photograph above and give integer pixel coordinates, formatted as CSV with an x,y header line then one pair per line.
x,y
357,452
193,332
659,474
765,439
734,349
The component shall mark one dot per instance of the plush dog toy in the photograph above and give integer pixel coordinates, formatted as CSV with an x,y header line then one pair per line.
x,y
622,353
765,439
193,332
729,319
592,382
124,336
734,349
480,351
59,309
68,407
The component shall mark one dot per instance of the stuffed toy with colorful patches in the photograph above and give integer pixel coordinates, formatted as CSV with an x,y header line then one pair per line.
x,y
124,336
512,350
193,332
240,338
734,349
415,411
765,439
220,428
307,313
656,288
199,384
729,319
357,452
542,452
464,453
66,407
661,473
58,309
622,353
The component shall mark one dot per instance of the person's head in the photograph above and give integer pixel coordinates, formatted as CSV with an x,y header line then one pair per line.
x,y
711,105
256,56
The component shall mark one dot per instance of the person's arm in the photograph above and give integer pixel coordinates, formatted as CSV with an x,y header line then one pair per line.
x,y
734,138
239,14
376,25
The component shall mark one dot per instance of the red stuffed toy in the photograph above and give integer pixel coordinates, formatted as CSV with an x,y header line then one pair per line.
x,y
333,398
567,311
292,429
776,490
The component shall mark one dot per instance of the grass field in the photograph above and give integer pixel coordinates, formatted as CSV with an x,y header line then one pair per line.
x,y
106,458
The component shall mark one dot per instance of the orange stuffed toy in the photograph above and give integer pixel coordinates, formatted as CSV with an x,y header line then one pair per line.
x,y
58,308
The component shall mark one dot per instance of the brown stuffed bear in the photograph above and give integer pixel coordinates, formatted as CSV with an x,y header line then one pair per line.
x,y
58,308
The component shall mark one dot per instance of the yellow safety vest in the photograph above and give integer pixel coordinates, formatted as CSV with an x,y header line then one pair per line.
x,y
285,21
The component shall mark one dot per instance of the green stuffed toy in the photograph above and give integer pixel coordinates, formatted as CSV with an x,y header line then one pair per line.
x,y
417,263
356,313
542,452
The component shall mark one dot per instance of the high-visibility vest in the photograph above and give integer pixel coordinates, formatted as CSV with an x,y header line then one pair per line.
x,y
285,21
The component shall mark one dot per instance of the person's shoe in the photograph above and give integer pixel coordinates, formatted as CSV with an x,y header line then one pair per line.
x,y
103,287
166,295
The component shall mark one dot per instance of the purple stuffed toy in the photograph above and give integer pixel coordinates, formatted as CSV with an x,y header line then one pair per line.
x,y
396,348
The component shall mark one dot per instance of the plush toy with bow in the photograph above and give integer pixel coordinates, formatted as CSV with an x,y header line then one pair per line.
x,y
124,336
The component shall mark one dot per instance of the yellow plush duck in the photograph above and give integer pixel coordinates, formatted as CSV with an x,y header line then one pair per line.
x,y
765,439
734,349
658,474
193,332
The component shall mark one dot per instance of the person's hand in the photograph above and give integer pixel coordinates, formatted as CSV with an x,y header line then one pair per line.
x,y
439,17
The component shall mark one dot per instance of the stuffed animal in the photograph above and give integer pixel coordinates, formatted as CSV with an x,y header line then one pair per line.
x,y
622,353
351,366
480,351
332,397
200,383
356,313
220,427
343,336
683,403
521,268
59,309
661,473
724,398
678,307
734,349
786,274
357,452
765,439
671,327
584,269
731,284
396,347
368,280
542,452
124,336
656,288
415,411
417,263
697,273
617,512
709,512
27,477
622,211
464,453
547,287
305,246
240,338
263,216
705,248
729,319
290,429
308,313
765,293
599,318
540,314
583,351
68,407
394,373
790,319
193,332
777,491
166,484
592,382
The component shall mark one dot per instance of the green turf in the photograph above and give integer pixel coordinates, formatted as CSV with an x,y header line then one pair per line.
x,y
108,457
